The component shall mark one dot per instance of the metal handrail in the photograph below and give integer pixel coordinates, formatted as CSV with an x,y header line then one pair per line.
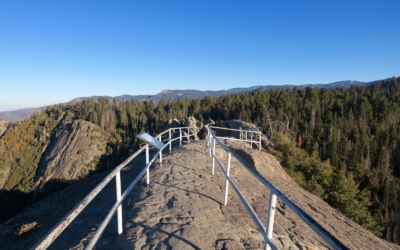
x,y
52,235
243,136
212,139
274,194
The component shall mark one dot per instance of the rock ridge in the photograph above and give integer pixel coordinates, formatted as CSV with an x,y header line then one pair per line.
x,y
75,149
183,209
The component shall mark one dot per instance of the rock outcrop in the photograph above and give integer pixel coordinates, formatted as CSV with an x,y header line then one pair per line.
x,y
172,123
204,131
183,209
76,148
191,122
200,128
3,126
236,124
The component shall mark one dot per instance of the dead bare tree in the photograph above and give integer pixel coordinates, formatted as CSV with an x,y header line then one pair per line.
x,y
279,125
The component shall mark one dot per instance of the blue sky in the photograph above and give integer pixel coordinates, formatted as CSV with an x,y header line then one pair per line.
x,y
54,51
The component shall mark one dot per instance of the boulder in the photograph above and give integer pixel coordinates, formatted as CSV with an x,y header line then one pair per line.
x,y
191,122
199,124
208,122
204,131
172,123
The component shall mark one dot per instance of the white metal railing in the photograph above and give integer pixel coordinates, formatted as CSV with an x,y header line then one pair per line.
x,y
211,141
243,136
52,235
274,194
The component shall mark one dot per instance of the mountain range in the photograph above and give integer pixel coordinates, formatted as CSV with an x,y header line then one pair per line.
x,y
22,114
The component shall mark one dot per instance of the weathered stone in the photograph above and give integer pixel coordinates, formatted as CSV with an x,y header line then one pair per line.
x,y
208,122
172,123
75,149
199,124
194,130
189,121
204,131
3,126
245,126
183,209
287,244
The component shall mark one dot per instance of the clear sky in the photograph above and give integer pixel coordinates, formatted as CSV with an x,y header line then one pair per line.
x,y
54,51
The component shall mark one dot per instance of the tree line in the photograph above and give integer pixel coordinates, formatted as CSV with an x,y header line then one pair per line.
x,y
341,144
355,131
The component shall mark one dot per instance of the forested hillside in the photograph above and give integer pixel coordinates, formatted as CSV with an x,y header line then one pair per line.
x,y
341,144
351,138
47,152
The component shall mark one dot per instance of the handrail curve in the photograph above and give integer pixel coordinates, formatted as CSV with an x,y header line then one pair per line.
x,y
211,140
52,235
314,225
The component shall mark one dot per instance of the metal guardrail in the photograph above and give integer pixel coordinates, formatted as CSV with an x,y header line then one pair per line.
x,y
52,235
211,141
274,194
243,136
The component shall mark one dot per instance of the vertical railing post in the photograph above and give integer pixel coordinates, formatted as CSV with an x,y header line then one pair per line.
x,y
209,138
160,156
251,141
147,162
240,133
228,170
188,134
180,137
271,218
213,155
119,212
170,143
259,146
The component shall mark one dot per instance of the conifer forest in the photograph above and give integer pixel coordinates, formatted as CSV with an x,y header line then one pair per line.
x,y
341,144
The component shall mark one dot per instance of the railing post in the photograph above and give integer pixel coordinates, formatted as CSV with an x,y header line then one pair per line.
x,y
188,134
180,137
259,146
147,162
170,143
160,156
240,133
209,139
213,155
251,141
271,218
228,170
118,190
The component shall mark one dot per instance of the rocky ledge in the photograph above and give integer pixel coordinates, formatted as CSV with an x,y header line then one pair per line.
x,y
183,209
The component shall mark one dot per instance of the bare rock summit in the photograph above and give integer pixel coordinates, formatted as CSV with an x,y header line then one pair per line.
x,y
183,209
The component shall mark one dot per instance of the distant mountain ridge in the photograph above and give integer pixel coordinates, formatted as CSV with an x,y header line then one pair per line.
x,y
22,114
